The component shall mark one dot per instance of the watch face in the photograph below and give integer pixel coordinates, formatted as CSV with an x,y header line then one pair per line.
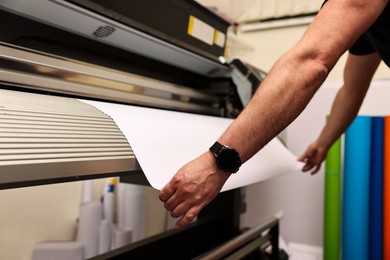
x,y
229,160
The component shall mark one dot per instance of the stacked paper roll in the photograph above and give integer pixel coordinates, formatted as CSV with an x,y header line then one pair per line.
x,y
122,236
107,225
105,234
134,210
88,229
131,214
58,250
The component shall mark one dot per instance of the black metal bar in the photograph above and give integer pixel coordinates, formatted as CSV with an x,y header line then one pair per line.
x,y
249,248
247,239
275,242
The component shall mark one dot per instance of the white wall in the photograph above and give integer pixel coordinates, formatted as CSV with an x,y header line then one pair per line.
x,y
298,196
34,214
49,213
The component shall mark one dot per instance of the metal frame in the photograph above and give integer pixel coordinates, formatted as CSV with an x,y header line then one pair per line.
x,y
63,14
31,69
215,235
248,242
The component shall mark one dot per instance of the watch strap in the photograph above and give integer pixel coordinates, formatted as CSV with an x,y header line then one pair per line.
x,y
216,147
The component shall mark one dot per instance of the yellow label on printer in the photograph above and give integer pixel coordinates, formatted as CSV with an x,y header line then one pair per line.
x,y
200,30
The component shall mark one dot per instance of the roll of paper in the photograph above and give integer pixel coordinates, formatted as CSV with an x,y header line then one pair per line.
x,y
87,191
376,189
121,237
386,190
332,203
109,199
105,234
59,250
355,223
88,229
163,141
134,210
120,215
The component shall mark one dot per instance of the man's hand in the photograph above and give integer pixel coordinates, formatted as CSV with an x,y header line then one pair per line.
x,y
313,157
192,188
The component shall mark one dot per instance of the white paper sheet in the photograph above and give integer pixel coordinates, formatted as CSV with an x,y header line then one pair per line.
x,y
163,141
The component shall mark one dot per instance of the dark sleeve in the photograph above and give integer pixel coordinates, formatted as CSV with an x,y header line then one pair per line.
x,y
362,46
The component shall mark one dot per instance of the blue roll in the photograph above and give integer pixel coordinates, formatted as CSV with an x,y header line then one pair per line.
x,y
376,189
356,187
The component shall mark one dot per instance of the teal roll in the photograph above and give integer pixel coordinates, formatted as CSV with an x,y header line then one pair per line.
x,y
355,221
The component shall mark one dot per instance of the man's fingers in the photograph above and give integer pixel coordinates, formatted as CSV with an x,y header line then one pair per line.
x,y
302,158
166,192
180,209
188,217
316,169
173,202
307,167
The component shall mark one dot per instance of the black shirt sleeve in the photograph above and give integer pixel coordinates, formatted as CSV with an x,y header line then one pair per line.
x,y
362,46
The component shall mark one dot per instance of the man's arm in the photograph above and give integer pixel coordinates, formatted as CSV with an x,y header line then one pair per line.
x,y
282,96
358,73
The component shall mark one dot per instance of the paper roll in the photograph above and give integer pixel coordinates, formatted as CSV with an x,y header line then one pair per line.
x,y
386,190
134,210
87,191
58,250
120,215
122,237
376,189
332,203
181,137
88,228
355,223
105,234
108,206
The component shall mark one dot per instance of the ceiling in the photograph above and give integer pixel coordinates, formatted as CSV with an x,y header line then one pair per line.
x,y
244,11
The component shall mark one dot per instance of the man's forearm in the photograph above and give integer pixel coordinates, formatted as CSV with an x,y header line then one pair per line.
x,y
279,100
358,74
344,110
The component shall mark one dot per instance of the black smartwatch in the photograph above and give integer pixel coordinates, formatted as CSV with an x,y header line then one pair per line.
x,y
227,158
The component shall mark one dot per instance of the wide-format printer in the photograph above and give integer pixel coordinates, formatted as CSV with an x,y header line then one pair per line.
x,y
166,55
